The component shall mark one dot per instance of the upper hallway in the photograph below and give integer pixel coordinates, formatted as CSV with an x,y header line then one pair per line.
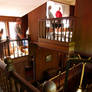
x,y
31,22
81,36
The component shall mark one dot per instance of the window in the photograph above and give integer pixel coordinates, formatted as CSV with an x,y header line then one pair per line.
x,y
12,30
2,26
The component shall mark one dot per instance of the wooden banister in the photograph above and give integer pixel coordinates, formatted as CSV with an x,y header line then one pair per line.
x,y
60,78
10,81
26,85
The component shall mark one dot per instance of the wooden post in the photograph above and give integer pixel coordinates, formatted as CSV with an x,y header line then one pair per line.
x,y
29,48
8,42
9,70
9,63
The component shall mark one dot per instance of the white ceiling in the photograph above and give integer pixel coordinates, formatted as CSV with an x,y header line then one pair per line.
x,y
18,8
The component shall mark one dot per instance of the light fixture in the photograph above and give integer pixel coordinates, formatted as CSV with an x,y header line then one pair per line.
x,y
79,90
81,80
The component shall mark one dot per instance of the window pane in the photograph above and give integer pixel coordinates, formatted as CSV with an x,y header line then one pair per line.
x,y
12,30
2,26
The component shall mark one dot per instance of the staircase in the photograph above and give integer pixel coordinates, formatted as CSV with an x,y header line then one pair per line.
x,y
10,81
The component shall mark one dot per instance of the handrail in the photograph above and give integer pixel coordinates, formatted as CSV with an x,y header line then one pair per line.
x,y
18,39
63,73
59,79
24,83
58,18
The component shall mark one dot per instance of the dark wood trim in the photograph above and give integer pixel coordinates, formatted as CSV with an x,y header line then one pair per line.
x,y
56,45
72,9
8,18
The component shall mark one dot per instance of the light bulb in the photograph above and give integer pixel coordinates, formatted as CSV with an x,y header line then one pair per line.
x,y
79,90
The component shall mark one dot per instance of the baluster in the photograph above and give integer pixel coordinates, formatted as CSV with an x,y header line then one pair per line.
x,y
25,46
50,29
2,81
69,34
62,30
7,85
65,39
13,49
53,30
3,51
72,28
65,34
69,29
16,86
8,42
21,89
18,48
2,56
5,48
48,33
45,29
12,84
57,30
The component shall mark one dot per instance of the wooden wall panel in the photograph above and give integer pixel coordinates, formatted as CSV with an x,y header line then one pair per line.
x,y
83,35
19,65
58,60
33,21
42,65
24,24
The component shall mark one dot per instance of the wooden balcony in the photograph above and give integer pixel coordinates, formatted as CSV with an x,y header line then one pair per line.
x,y
57,33
66,47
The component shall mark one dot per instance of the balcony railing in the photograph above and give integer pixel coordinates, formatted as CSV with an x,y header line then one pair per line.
x,y
14,48
60,29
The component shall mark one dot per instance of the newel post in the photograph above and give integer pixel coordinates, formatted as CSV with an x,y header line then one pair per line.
x,y
9,64
9,71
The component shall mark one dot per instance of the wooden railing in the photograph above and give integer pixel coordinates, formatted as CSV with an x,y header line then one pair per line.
x,y
14,48
60,29
10,81
60,78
